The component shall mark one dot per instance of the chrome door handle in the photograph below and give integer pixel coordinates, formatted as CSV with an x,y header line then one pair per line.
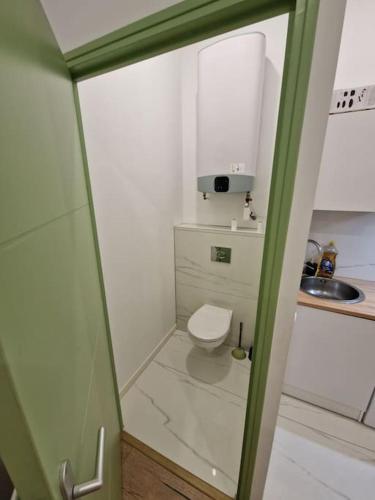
x,y
68,489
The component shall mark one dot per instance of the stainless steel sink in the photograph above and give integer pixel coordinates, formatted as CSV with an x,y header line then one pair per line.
x,y
332,289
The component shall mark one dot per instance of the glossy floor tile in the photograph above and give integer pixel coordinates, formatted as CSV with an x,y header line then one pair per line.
x,y
319,455
190,407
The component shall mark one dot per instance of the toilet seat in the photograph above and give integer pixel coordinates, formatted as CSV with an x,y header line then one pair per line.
x,y
210,323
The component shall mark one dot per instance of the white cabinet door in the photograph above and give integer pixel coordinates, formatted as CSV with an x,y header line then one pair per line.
x,y
347,171
331,361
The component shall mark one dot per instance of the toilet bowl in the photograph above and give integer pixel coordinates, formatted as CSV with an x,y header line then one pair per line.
x,y
209,326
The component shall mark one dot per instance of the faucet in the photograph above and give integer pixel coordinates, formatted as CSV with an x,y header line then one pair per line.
x,y
309,266
317,245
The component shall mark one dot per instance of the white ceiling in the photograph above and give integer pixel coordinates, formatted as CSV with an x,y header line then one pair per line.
x,y
76,22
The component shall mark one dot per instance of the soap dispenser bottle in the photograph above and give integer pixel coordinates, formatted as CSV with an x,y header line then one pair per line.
x,y
327,264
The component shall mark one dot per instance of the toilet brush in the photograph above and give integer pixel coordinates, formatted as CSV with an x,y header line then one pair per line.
x,y
238,352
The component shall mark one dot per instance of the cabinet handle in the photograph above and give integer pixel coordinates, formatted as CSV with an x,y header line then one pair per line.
x,y
68,489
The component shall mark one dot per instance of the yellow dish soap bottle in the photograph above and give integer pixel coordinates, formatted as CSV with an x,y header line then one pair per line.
x,y
327,264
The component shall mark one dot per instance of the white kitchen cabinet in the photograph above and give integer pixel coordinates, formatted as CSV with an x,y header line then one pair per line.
x,y
347,172
331,361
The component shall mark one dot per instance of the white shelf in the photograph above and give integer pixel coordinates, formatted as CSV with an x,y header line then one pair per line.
x,y
242,231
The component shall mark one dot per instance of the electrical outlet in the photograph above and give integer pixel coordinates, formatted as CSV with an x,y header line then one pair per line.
x,y
353,99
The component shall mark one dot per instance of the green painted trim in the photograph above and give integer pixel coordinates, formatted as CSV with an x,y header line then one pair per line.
x,y
298,59
187,22
97,250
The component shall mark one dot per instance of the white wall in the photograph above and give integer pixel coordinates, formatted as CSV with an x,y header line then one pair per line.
x,y
220,208
132,129
356,64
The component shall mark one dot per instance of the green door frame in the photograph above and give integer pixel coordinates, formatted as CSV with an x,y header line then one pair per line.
x,y
191,21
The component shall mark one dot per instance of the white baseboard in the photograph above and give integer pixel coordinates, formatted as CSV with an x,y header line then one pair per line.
x,y
328,404
146,362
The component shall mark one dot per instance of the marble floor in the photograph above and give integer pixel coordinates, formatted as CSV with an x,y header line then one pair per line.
x,y
190,407
319,455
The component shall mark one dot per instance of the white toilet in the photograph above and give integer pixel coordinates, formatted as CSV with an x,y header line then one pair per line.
x,y
209,326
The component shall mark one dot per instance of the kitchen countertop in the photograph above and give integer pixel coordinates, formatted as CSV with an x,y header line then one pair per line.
x,y
365,309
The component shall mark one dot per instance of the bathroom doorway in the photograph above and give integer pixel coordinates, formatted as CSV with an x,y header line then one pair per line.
x,y
156,236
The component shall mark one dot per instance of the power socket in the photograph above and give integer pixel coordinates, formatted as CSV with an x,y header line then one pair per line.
x,y
352,99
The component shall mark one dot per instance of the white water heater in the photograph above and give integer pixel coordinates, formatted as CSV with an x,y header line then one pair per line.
x,y
230,88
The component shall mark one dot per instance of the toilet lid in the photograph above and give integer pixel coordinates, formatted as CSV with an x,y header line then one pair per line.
x,y
210,323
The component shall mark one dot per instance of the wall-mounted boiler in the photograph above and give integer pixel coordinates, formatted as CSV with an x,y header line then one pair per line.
x,y
230,87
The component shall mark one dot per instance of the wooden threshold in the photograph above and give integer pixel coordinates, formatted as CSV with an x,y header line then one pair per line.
x,y
174,468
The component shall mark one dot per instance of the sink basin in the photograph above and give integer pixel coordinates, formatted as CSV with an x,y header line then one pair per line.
x,y
331,289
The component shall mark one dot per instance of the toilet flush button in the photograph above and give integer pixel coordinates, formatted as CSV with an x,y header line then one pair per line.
x,y
221,254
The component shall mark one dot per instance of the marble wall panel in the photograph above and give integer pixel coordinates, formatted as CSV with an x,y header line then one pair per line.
x,y
234,286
